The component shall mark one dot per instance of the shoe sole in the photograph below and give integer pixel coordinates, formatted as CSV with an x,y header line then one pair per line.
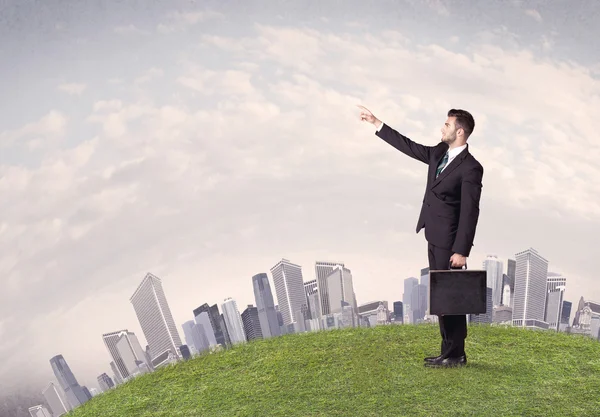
x,y
436,365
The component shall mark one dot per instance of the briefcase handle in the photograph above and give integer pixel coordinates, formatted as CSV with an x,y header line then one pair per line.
x,y
454,267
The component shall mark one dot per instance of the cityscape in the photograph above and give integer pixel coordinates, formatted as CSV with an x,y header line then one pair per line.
x,y
521,292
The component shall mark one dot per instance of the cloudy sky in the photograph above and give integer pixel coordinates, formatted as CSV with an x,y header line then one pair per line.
x,y
203,142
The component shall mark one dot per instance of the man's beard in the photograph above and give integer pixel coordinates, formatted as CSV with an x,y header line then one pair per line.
x,y
449,141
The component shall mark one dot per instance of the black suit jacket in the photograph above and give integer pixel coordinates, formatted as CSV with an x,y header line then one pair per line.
x,y
450,209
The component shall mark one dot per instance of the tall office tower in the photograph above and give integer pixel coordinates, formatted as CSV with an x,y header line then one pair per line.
x,y
55,397
223,326
153,313
233,321
130,345
196,337
116,373
188,335
67,381
289,287
131,353
310,287
566,313
398,312
530,289
341,289
204,327
580,306
322,271
218,333
314,304
267,315
556,285
511,268
87,392
105,382
494,268
39,411
418,303
409,286
506,299
555,280
251,323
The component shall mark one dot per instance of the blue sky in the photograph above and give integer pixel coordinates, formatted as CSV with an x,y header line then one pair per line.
x,y
204,142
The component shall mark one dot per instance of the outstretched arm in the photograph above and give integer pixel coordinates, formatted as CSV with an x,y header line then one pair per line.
x,y
469,211
402,143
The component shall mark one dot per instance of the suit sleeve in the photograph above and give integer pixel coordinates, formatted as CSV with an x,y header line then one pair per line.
x,y
403,144
469,211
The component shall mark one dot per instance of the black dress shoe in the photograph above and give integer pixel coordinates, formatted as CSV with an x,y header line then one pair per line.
x,y
433,358
447,362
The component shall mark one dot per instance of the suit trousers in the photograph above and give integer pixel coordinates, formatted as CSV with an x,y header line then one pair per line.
x,y
452,328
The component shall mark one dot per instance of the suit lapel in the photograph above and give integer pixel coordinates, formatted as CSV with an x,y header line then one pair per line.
x,y
438,159
451,167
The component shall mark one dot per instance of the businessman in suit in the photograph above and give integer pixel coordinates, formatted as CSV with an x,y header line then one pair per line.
x,y
449,213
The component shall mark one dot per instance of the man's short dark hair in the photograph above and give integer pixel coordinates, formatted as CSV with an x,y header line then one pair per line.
x,y
464,120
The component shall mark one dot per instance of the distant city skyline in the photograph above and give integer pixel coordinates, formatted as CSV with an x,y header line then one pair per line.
x,y
236,327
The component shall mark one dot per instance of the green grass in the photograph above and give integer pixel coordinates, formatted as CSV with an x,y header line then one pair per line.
x,y
372,372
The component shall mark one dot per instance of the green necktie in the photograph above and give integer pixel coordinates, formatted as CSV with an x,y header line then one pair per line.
x,y
442,165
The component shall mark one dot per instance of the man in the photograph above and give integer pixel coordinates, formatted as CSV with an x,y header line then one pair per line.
x,y
449,212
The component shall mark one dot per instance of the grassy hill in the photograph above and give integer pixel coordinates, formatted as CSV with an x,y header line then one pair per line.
x,y
372,372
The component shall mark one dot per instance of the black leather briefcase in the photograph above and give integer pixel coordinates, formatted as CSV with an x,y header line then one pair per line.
x,y
457,292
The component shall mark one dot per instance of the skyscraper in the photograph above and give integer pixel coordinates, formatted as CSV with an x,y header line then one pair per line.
x,y
322,271
418,303
207,337
233,321
218,333
153,312
56,400
67,381
529,302
341,289
494,268
105,382
39,411
112,339
251,322
289,287
556,284
398,312
195,335
309,288
267,315
409,286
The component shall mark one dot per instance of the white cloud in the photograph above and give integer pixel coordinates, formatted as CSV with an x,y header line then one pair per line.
x,y
130,29
229,82
73,88
534,14
50,126
438,6
149,75
486,68
181,20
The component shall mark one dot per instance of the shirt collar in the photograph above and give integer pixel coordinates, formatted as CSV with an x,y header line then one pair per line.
x,y
455,151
